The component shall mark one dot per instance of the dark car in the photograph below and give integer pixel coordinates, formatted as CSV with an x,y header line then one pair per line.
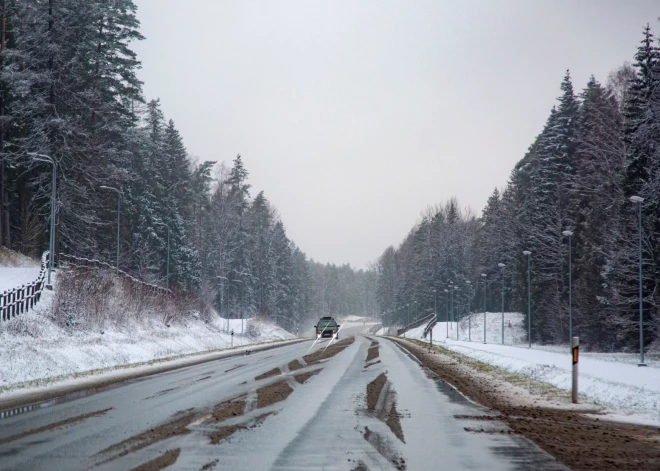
x,y
327,328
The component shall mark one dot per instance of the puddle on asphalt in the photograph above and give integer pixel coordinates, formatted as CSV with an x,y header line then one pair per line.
x,y
520,452
524,455
451,393
443,387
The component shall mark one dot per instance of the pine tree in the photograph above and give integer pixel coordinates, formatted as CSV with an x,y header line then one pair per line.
x,y
640,120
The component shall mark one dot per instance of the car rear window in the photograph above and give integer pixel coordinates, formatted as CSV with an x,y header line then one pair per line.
x,y
323,324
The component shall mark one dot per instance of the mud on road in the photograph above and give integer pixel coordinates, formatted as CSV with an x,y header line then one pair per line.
x,y
372,353
577,440
328,352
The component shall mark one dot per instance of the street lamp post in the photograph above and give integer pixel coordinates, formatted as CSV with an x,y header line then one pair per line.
x,y
53,203
222,288
638,200
257,278
484,275
447,311
529,299
407,318
167,280
118,216
501,265
469,312
435,303
569,234
454,309
242,301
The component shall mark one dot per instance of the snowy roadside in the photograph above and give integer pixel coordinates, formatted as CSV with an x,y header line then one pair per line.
x,y
48,388
356,321
14,277
38,352
16,270
611,381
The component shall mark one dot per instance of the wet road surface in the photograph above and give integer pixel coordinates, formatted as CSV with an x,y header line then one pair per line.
x,y
358,404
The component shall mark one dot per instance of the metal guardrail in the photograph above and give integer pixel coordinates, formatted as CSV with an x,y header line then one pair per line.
x,y
374,329
416,323
23,298
81,262
430,325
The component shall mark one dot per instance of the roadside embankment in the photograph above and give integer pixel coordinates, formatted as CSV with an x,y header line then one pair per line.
x,y
93,323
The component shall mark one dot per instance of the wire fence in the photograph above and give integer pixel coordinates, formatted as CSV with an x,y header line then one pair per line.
x,y
21,299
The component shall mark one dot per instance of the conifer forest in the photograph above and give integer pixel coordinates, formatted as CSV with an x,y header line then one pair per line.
x,y
70,99
599,147
69,94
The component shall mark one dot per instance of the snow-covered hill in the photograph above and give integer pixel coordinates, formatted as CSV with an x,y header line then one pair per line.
x,y
16,269
35,348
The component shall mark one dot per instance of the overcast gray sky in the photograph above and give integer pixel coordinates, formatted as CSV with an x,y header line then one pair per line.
x,y
353,116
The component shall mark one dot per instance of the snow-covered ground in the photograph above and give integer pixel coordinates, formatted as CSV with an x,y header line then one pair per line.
x,y
472,328
16,269
352,320
13,277
9,258
33,347
613,381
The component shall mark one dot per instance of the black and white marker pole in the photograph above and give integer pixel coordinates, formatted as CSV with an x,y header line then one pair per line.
x,y
576,355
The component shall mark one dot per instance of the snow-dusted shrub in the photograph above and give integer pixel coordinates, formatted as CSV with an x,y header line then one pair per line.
x,y
82,297
253,330
91,297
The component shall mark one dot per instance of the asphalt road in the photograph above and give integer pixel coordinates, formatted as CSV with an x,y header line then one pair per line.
x,y
263,411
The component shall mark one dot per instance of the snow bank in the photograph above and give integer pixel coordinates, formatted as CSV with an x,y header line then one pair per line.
x,y
16,269
358,319
613,381
34,347
9,258
472,328
352,321
13,277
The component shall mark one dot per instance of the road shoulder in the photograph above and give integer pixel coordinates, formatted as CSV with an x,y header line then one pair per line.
x,y
33,392
573,434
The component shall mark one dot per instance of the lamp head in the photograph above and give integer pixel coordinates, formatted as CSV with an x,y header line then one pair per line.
x,y
567,233
636,199
527,252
